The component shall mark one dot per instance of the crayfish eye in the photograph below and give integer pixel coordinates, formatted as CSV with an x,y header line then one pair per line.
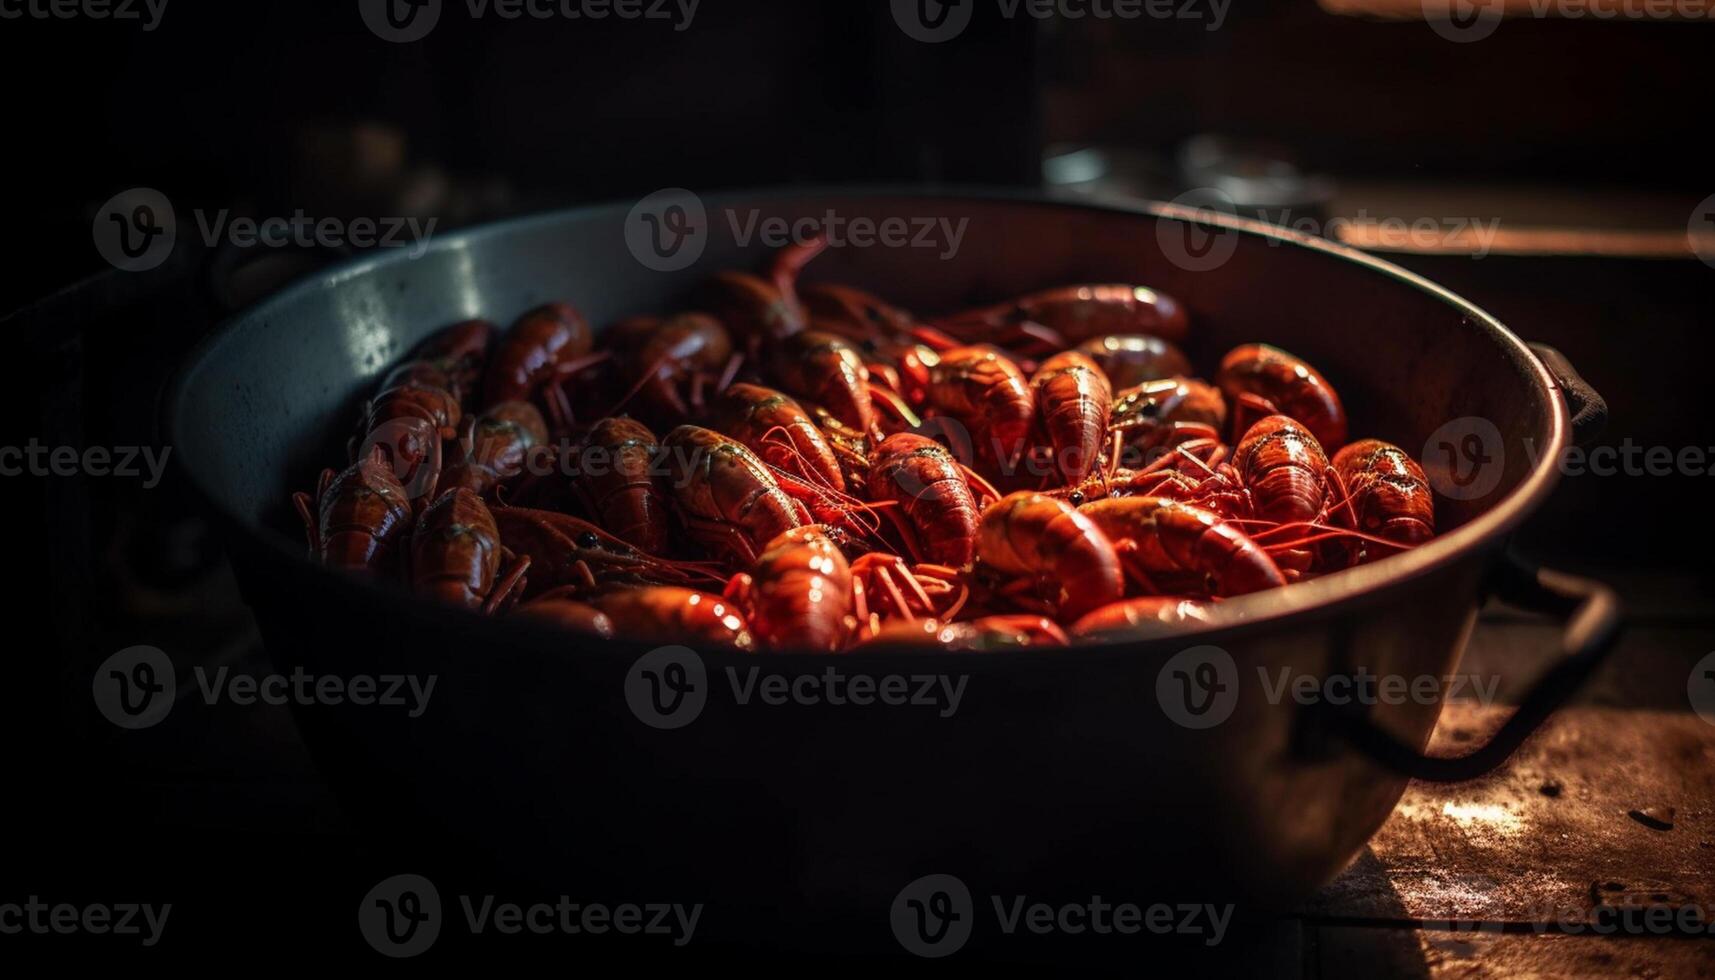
x,y
588,539
1077,497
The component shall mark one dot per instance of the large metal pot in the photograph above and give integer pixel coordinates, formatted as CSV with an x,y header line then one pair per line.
x,y
1060,773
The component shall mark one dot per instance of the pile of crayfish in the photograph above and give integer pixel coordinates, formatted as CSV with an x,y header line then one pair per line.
x,y
805,467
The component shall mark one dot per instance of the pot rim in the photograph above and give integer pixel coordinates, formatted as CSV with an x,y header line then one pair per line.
x,y
1325,595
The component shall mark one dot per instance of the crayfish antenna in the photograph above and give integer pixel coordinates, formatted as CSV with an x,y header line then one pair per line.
x,y
883,395
789,264
305,505
730,372
510,585
1249,409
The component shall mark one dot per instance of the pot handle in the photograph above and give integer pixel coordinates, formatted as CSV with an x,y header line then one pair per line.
x,y
1589,409
1592,613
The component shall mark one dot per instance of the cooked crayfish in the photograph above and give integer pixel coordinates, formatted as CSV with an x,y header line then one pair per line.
x,y
1069,315
574,554
1262,380
457,556
545,347
673,614
828,476
989,633
1074,402
933,493
1132,359
1173,548
986,393
356,518
1056,553
1389,495
615,479
1142,617
728,499
799,595
460,353
495,447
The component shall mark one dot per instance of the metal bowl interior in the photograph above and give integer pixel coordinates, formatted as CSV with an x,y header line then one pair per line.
x,y
264,403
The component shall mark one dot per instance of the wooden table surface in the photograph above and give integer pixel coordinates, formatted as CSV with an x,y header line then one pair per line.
x,y
1592,853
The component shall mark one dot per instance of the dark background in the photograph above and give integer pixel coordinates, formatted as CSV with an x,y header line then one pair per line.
x,y
269,107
